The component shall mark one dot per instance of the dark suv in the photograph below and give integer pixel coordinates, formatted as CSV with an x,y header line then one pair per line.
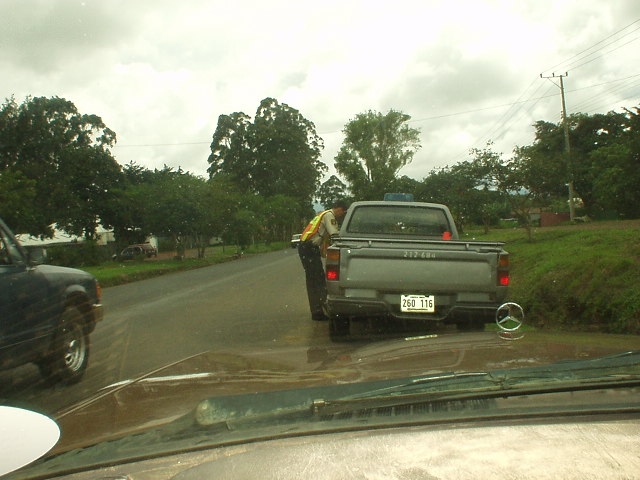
x,y
46,313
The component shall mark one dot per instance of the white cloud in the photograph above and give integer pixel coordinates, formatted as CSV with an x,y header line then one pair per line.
x,y
160,72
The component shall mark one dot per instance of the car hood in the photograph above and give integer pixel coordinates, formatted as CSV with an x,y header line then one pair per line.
x,y
172,391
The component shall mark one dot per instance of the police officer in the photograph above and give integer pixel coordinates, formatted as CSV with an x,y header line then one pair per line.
x,y
314,238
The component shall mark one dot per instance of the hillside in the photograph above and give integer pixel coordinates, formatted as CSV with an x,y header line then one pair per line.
x,y
578,277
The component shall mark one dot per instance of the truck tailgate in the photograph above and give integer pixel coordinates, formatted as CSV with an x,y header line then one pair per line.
x,y
400,268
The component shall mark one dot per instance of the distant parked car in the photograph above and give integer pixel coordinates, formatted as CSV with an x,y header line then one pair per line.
x,y
295,240
140,250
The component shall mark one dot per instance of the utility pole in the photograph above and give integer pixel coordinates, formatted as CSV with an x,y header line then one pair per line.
x,y
567,146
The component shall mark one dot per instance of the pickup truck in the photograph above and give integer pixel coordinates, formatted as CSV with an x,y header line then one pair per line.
x,y
46,313
404,260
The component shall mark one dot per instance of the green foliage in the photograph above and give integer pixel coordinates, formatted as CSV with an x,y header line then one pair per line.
x,y
467,194
58,164
16,190
277,154
277,212
231,149
604,161
78,255
117,273
374,149
331,191
578,278
287,152
604,165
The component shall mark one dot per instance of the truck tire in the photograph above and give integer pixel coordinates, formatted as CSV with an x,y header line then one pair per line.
x,y
339,326
69,355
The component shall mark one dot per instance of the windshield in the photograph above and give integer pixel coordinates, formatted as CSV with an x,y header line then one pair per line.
x,y
187,168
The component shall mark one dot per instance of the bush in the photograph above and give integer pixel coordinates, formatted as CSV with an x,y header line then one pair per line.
x,y
80,254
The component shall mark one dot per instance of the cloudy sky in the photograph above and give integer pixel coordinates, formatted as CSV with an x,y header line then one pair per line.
x,y
160,72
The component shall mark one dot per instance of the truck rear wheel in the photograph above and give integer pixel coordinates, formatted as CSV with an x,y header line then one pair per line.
x,y
339,326
69,356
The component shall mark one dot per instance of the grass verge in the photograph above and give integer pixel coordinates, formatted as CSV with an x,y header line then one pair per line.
x,y
578,277
117,272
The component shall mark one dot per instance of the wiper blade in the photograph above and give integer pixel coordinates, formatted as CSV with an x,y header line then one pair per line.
x,y
620,370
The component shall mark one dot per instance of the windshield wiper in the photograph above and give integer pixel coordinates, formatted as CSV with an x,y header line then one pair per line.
x,y
620,370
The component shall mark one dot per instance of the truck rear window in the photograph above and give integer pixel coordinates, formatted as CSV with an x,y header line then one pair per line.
x,y
398,220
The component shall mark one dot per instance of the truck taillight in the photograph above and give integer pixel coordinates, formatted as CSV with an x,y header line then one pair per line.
x,y
333,264
503,270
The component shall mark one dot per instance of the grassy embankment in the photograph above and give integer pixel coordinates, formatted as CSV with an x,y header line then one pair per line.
x,y
574,277
118,272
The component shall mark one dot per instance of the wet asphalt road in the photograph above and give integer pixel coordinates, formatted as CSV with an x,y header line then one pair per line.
x,y
254,302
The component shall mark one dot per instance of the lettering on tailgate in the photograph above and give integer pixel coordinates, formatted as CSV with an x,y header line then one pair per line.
x,y
419,254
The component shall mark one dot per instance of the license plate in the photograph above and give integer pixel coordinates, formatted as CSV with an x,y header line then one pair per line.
x,y
417,303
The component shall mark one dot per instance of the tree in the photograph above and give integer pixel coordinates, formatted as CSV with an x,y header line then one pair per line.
x,y
281,215
514,179
15,191
615,170
332,190
92,177
124,208
590,137
277,154
231,150
175,203
47,141
287,151
464,189
374,149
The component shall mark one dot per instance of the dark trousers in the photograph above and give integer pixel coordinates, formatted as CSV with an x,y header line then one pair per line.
x,y
314,272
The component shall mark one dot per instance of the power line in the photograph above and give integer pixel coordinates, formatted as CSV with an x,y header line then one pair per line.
x,y
565,64
501,121
600,56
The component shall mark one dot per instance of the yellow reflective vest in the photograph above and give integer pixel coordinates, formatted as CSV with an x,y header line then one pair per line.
x,y
313,227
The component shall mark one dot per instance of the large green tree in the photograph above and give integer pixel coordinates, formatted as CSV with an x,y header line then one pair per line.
x,y
65,156
374,149
287,151
614,169
232,150
276,154
177,204
597,163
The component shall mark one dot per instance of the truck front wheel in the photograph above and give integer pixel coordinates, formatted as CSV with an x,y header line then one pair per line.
x,y
69,355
